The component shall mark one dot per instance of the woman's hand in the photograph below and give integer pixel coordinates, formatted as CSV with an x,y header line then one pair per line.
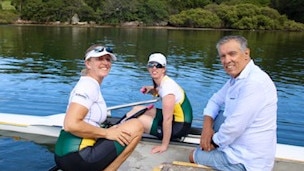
x,y
122,136
146,89
159,149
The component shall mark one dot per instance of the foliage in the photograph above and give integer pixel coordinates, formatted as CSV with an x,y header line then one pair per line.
x,y
179,5
155,11
55,10
250,17
196,18
293,26
115,11
236,2
8,16
6,5
234,14
293,9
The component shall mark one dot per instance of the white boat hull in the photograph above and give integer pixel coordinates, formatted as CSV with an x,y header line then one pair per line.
x,y
45,129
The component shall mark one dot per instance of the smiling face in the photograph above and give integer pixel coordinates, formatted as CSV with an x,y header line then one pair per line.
x,y
233,58
99,67
156,70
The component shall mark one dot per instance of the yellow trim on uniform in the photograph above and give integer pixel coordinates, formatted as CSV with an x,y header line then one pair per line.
x,y
178,110
85,142
178,113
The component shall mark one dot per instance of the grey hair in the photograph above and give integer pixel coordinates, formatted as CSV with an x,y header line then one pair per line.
x,y
240,39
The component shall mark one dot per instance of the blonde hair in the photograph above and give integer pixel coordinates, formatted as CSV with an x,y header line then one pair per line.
x,y
84,71
91,48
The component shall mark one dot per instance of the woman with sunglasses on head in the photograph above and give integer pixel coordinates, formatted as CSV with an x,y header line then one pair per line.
x,y
174,120
82,144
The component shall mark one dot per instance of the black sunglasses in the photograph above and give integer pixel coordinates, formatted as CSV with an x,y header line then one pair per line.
x,y
101,49
154,64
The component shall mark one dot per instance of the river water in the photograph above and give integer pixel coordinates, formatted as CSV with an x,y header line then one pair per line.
x,y
39,65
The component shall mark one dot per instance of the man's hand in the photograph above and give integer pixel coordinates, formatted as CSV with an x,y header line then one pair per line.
x,y
206,137
207,133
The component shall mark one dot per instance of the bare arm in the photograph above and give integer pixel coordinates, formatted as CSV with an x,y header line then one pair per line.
x,y
167,106
207,133
75,124
149,89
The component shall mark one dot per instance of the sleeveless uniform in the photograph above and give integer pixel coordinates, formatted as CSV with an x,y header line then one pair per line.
x,y
77,153
182,113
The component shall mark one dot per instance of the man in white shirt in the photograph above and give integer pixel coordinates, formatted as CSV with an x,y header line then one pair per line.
x,y
246,138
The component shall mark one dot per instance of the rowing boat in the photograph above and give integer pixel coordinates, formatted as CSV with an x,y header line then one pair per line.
x,y
45,130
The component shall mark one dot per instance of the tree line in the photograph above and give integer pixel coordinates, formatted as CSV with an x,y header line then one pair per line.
x,y
234,14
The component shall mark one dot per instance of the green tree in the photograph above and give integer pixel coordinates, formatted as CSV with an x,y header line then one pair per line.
x,y
18,4
116,11
293,9
150,11
179,5
237,2
196,18
94,4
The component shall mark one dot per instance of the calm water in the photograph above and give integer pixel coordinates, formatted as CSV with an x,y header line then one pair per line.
x,y
40,65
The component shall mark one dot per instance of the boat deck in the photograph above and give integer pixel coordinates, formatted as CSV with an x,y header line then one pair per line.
x,y
176,158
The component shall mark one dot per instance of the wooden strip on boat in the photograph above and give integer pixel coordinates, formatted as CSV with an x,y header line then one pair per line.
x,y
181,166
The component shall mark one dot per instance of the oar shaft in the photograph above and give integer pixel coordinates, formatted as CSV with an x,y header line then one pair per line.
x,y
133,104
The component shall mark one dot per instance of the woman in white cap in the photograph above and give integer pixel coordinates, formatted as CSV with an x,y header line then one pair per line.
x,y
83,145
174,120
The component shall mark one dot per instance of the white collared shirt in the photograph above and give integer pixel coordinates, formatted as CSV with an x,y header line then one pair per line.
x,y
248,135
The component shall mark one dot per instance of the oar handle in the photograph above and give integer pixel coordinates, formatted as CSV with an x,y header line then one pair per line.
x,y
139,113
136,115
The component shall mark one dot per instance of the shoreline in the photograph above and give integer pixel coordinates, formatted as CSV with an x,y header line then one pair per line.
x,y
127,26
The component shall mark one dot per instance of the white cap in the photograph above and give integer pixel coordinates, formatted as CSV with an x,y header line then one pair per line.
x,y
100,51
159,58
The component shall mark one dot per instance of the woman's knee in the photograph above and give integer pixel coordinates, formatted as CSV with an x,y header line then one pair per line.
x,y
134,125
134,110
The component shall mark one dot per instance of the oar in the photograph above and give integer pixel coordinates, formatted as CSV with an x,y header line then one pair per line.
x,y
57,119
136,115
108,124
133,104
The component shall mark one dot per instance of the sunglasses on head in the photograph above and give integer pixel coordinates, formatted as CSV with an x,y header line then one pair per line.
x,y
99,49
154,64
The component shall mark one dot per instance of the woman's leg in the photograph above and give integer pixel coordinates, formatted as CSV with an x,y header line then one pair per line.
x,y
146,119
136,129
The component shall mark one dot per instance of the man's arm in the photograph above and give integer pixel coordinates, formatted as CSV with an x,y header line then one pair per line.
x,y
207,133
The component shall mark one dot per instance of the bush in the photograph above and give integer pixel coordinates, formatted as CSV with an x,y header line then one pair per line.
x,y
291,25
247,10
195,18
252,17
8,17
227,14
